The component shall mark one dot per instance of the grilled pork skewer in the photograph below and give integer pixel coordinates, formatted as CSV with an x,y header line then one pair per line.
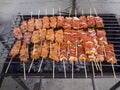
x,y
35,54
98,20
17,33
14,52
60,19
82,57
110,56
31,24
59,40
36,50
24,56
44,48
44,53
91,20
102,41
63,55
81,51
93,36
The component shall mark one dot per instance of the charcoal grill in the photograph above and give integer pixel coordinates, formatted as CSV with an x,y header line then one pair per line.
x,y
112,29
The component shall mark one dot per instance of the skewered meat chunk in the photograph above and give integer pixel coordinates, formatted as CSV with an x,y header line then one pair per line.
x,y
109,53
83,36
99,22
81,53
38,23
35,37
90,48
15,49
53,22
59,36
91,21
60,21
63,51
71,35
100,51
50,35
67,23
92,35
35,54
83,22
54,52
72,50
46,22
42,34
27,37
101,37
44,50
17,33
24,26
31,24
75,23
24,53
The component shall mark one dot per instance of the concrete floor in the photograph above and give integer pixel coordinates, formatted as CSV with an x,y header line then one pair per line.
x,y
8,9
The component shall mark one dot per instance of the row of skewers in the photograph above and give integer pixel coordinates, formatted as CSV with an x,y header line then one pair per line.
x,y
60,37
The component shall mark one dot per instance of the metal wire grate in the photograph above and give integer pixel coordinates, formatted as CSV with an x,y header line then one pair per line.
x,y
112,29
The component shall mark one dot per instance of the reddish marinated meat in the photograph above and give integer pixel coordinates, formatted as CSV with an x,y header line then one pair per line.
x,y
17,33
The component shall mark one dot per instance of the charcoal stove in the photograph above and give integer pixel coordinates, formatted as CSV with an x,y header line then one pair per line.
x,y
112,29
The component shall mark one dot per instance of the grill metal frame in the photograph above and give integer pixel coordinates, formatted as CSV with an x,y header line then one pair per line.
x,y
112,29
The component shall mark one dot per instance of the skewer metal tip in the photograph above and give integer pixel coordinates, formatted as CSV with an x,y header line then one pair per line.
x,y
40,65
113,71
9,65
93,70
64,68
24,71
85,69
30,65
53,69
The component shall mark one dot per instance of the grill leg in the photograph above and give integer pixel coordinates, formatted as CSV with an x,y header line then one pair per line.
x,y
93,83
1,80
20,82
115,86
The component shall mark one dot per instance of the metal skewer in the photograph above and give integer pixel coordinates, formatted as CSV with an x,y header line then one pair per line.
x,y
59,12
46,12
9,64
85,69
22,17
41,60
53,60
93,69
31,14
84,60
64,69
53,69
72,69
59,51
113,71
30,65
40,65
53,65
24,71
38,14
32,60
100,66
96,65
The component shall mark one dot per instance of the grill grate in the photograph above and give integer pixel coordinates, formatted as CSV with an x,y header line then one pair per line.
x,y
112,29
